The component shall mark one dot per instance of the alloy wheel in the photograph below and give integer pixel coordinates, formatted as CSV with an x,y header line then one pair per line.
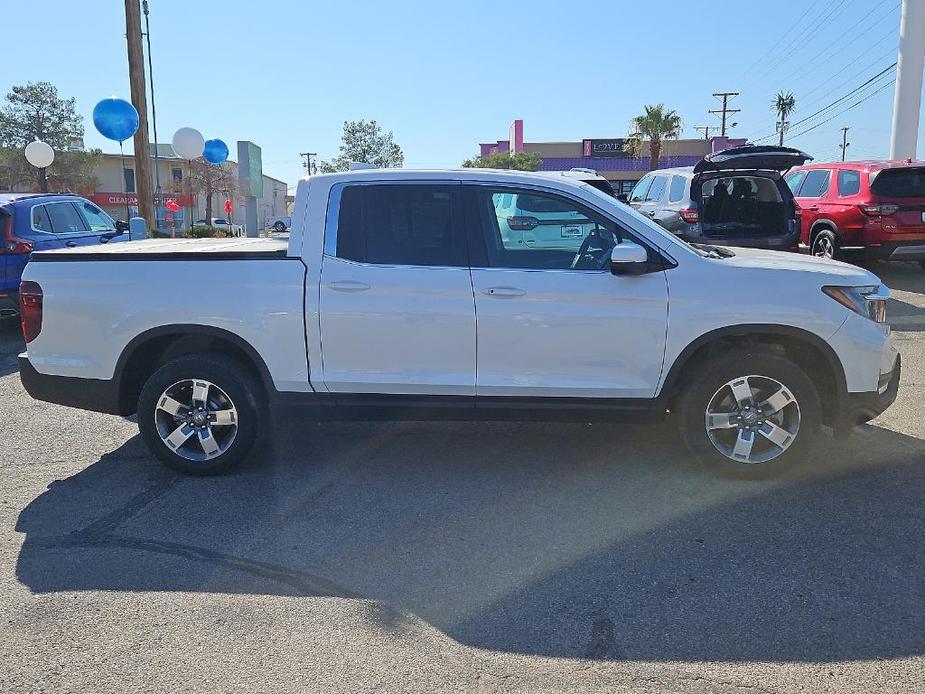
x,y
823,248
196,419
752,419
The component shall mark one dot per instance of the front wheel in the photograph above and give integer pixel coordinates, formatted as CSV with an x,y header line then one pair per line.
x,y
750,414
199,414
280,227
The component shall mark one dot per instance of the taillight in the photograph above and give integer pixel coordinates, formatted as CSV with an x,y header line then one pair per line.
x,y
879,210
522,223
11,243
30,309
690,216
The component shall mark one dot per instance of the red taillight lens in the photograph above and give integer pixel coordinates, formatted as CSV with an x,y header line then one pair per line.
x,y
30,309
879,210
690,216
522,223
12,244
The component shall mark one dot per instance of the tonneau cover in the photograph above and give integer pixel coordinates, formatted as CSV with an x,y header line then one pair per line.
x,y
172,249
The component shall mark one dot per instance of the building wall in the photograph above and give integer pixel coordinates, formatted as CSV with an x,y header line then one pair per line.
x,y
108,192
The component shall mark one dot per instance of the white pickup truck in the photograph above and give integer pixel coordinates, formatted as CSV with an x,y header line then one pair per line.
x,y
399,296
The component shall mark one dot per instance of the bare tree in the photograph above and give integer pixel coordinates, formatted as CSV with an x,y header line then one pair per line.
x,y
210,179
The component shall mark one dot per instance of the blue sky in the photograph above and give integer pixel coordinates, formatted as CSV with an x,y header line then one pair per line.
x,y
445,76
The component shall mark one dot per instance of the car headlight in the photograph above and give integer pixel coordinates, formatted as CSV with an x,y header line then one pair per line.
x,y
869,301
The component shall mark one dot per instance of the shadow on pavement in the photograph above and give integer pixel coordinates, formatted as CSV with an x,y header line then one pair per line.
x,y
11,344
562,540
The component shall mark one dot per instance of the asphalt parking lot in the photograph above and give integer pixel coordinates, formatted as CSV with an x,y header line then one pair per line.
x,y
462,557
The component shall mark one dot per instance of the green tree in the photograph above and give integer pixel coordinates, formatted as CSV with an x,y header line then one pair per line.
x,y
364,141
519,161
656,124
35,111
783,104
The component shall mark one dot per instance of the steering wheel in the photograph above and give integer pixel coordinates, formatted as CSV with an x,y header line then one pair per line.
x,y
586,258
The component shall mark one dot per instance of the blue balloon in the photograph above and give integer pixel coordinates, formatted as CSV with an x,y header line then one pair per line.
x,y
116,119
215,151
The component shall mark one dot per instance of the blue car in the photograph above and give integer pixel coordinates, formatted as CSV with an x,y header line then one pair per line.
x,y
44,221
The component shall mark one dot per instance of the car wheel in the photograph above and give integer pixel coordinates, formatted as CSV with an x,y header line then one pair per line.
x,y
750,414
825,244
200,414
279,226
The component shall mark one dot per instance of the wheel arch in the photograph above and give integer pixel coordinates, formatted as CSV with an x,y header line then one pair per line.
x,y
149,350
809,351
820,224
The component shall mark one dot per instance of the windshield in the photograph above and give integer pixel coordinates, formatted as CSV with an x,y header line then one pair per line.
x,y
611,204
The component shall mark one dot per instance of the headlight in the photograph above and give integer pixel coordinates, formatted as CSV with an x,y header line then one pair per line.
x,y
869,302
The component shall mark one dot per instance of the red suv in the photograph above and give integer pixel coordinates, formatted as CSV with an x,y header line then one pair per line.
x,y
877,207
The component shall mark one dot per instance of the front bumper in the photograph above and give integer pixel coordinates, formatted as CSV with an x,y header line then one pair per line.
x,y
84,393
859,408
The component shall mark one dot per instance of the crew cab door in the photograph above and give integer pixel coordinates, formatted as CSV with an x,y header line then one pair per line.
x,y
555,321
397,313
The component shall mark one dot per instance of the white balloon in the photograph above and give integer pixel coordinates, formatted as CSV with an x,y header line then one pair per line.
x,y
188,143
40,154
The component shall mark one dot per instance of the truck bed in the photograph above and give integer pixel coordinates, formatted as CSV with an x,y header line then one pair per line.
x,y
172,249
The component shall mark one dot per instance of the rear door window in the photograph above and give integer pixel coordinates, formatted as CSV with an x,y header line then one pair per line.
x,y
849,182
40,220
676,191
65,219
816,184
401,225
657,188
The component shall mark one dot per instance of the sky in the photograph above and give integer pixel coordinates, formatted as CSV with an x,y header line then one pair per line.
x,y
444,76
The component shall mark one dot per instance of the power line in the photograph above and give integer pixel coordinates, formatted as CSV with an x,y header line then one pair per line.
x,y
787,53
843,39
856,103
834,103
785,35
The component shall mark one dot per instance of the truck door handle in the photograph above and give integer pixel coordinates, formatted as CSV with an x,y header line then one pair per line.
x,y
70,244
348,286
813,207
503,291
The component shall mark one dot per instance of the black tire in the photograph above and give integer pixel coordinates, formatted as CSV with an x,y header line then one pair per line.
x,y
279,226
822,240
229,382
708,382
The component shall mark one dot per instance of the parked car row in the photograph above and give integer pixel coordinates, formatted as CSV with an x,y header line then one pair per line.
x,y
769,197
223,224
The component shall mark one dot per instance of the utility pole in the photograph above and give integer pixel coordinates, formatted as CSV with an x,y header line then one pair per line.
x,y
158,197
725,110
307,164
705,129
136,77
844,142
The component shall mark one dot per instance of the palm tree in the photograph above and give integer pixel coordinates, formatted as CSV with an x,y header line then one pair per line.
x,y
655,125
784,103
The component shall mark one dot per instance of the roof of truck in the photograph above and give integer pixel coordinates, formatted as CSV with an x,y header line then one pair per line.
x,y
468,174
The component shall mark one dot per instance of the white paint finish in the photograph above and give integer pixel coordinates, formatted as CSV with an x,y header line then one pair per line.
x,y
569,333
92,310
397,329
866,351
907,97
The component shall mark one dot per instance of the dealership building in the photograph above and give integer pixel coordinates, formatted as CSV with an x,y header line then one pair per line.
x,y
607,155
116,192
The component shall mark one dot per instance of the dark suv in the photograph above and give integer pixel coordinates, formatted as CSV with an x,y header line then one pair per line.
x,y
39,222
736,197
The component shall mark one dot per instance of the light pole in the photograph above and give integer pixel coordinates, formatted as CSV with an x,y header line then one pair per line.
x,y
907,99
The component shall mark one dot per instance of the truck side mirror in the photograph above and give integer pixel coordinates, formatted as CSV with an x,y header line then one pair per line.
x,y
121,225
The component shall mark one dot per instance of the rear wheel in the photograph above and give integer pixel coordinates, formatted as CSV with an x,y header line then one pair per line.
x,y
825,244
750,414
200,414
279,226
